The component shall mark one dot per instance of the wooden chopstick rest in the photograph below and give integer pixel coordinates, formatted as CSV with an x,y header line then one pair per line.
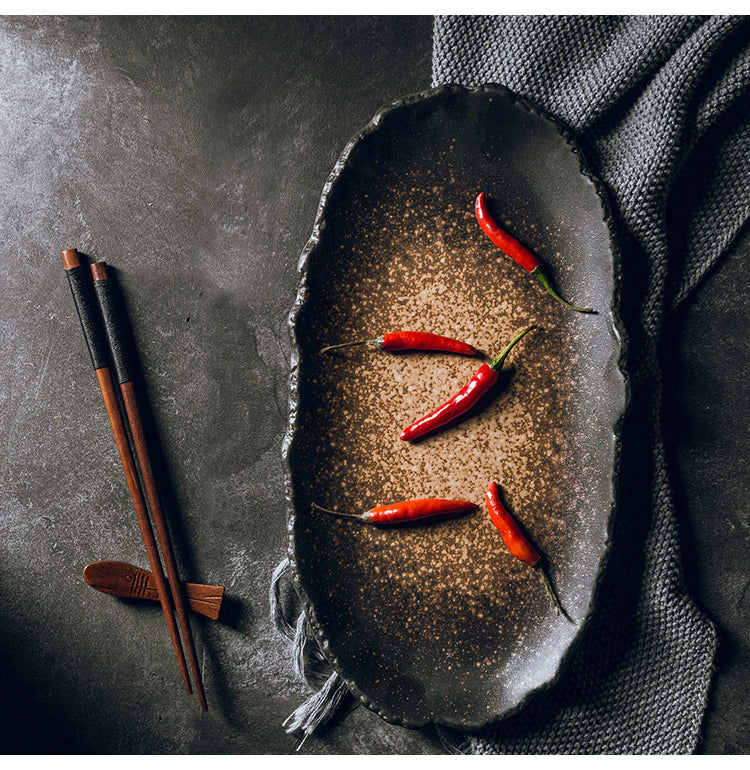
x,y
118,578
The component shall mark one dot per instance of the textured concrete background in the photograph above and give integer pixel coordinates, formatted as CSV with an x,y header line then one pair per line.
x,y
190,155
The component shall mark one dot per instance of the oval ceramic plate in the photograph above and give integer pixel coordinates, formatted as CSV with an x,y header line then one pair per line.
x,y
438,622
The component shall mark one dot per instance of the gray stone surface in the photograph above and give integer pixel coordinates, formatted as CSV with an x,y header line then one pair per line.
x,y
190,154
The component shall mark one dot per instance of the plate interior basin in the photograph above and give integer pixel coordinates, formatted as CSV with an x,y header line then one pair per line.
x,y
438,622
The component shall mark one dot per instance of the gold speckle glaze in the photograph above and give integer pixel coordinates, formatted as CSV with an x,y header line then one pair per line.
x,y
437,621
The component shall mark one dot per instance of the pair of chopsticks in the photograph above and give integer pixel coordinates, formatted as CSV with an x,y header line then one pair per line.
x,y
104,331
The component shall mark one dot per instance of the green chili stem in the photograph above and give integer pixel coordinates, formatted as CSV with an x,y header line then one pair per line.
x,y
344,514
497,362
348,345
539,273
551,591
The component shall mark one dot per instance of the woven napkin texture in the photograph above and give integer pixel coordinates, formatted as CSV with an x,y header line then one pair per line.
x,y
660,107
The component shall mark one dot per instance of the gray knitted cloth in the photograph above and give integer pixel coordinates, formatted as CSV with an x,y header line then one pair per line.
x,y
661,110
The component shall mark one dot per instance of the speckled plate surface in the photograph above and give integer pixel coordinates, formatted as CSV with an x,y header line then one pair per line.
x,y
439,623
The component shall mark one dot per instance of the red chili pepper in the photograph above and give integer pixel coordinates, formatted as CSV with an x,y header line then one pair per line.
x,y
518,544
465,399
516,250
407,340
410,510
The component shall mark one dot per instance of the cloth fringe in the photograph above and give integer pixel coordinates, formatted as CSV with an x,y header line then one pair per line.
x,y
309,663
319,709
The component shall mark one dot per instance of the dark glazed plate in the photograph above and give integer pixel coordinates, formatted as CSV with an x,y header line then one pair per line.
x,y
439,623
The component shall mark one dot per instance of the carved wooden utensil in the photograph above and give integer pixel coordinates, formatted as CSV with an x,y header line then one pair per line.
x,y
129,582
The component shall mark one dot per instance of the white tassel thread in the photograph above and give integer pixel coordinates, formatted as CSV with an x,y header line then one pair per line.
x,y
307,659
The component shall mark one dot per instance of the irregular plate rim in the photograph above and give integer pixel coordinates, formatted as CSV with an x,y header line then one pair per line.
x,y
616,326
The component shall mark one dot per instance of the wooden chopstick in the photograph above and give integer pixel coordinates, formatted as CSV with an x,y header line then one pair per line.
x,y
83,295
114,326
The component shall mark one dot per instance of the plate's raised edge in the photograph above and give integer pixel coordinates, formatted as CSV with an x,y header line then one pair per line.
x,y
617,330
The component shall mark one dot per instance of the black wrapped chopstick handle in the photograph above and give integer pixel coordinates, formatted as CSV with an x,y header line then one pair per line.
x,y
79,278
115,324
